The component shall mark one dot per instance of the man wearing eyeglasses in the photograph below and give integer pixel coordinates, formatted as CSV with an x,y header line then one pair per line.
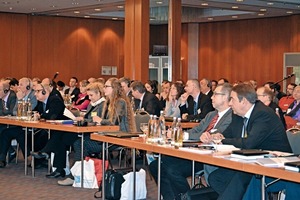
x,y
175,170
286,101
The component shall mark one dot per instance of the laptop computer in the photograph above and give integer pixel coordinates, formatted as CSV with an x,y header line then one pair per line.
x,y
123,134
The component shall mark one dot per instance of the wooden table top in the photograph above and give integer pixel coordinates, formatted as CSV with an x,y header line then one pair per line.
x,y
139,143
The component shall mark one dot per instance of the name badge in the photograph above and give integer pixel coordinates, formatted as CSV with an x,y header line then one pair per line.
x,y
93,114
199,111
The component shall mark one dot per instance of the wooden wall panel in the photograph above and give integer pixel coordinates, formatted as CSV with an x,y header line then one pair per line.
x,y
244,50
184,52
5,44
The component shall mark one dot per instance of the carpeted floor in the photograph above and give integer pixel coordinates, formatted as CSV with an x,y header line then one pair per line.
x,y
14,185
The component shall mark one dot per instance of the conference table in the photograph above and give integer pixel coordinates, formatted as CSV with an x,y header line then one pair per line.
x,y
140,143
184,125
52,125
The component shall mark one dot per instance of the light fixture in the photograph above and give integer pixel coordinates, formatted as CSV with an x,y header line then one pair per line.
x,y
210,18
204,4
120,7
270,3
114,18
239,0
260,14
76,12
234,7
159,2
289,12
234,16
262,10
97,9
86,16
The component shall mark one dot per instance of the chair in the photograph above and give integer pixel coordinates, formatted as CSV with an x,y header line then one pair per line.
x,y
294,140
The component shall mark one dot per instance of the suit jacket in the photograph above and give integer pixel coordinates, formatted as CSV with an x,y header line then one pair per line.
x,y
264,130
75,92
150,104
90,109
281,116
33,102
54,108
204,106
10,104
222,124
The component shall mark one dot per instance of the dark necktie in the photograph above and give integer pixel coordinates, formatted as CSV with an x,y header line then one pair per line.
x,y
212,123
3,105
195,108
44,107
244,133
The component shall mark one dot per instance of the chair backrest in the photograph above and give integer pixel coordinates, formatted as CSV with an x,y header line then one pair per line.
x,y
141,116
294,140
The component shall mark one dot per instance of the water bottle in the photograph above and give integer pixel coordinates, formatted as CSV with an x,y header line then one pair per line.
x,y
178,134
29,110
24,110
149,134
19,111
162,128
174,130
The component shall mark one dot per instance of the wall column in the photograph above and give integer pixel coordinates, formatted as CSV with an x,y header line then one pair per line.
x,y
136,44
174,40
193,41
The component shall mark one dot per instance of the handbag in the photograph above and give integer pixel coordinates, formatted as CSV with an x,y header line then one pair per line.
x,y
98,168
199,192
113,182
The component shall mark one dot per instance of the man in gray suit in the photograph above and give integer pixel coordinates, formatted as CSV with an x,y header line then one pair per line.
x,y
174,171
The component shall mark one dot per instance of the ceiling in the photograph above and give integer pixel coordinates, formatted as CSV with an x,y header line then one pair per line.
x,y
193,11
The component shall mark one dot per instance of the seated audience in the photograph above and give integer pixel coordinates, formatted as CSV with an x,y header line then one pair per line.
x,y
73,91
222,81
205,87
294,109
286,101
125,82
165,86
16,132
176,170
174,100
266,96
214,84
258,127
61,87
152,87
145,100
83,98
195,105
115,111
8,99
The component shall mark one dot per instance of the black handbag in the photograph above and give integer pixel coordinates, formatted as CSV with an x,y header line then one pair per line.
x,y
199,192
113,181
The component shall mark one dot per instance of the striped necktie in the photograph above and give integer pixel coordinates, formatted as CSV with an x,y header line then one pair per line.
x,y
244,133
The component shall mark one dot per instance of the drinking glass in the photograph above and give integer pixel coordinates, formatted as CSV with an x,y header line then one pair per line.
x,y
144,128
216,138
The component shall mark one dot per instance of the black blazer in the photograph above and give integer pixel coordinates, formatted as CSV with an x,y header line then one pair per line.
x,y
10,104
264,129
150,104
54,108
204,106
75,92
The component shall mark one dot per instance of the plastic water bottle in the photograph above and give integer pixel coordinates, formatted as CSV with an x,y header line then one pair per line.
x,y
178,134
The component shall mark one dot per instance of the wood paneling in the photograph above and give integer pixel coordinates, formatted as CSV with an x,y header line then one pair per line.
x,y
39,46
244,50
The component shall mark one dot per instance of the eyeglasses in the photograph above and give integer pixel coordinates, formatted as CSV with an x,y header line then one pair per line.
x,y
106,86
218,93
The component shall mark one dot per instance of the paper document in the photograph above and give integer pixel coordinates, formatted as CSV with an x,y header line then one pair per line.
x,y
69,114
276,162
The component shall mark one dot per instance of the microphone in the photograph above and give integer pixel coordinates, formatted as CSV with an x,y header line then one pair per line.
x,y
290,76
55,75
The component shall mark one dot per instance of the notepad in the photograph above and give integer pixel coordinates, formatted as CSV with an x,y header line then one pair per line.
x,y
249,154
123,134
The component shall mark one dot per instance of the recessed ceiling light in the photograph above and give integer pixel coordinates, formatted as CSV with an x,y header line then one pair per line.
x,y
262,10
120,7
114,18
210,18
86,16
10,8
234,7
289,12
33,8
53,6
76,12
239,0
97,9
270,3
261,14
298,6
159,2
234,16
204,4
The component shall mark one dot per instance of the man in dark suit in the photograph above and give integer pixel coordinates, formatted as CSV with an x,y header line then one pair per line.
x,y
195,105
145,100
13,132
176,170
8,99
73,90
257,127
205,87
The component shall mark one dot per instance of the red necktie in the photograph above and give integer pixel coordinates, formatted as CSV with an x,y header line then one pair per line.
x,y
212,123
